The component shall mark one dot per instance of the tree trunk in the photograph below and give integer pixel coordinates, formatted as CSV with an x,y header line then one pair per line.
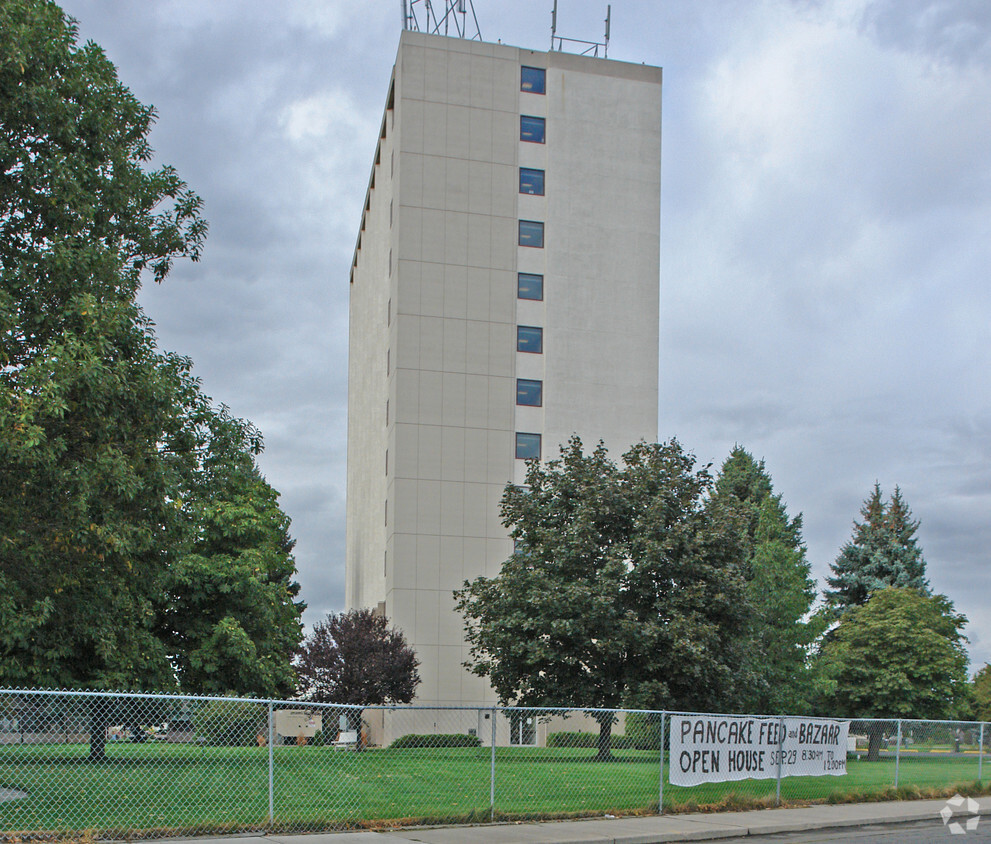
x,y
875,738
354,723
99,720
604,753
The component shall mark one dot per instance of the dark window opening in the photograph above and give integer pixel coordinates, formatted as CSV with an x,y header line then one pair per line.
x,y
527,448
529,393
529,338
530,286
533,79
531,181
531,234
532,129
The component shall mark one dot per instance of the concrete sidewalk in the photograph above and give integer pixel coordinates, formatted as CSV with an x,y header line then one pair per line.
x,y
649,830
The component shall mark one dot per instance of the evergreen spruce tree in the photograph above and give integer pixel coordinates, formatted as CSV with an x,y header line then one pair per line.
x,y
883,552
779,584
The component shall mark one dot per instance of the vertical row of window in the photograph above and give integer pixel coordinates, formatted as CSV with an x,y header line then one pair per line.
x,y
530,338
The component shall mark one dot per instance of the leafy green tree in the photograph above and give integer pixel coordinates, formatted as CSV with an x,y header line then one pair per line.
x,y
231,617
981,690
107,445
230,723
88,428
80,216
900,655
779,585
625,588
883,552
89,451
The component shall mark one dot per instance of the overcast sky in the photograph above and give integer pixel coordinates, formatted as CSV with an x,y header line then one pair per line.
x,y
825,240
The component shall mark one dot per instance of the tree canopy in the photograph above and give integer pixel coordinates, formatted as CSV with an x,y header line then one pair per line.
x,y
232,623
982,693
900,655
625,588
355,658
882,552
779,585
113,464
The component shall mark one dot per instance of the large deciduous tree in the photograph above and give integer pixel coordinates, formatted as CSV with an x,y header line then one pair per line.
x,y
981,691
232,621
111,458
779,585
625,588
900,655
883,552
93,420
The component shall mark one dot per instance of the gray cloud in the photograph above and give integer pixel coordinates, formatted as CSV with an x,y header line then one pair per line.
x,y
825,240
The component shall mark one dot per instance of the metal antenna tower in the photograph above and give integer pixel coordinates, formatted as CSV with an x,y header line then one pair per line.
x,y
422,16
584,48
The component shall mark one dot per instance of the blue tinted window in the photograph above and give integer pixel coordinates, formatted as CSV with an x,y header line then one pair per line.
x,y
532,129
529,393
531,181
531,233
527,448
532,79
529,339
530,286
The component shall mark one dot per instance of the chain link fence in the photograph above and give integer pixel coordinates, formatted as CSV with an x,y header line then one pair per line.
x,y
126,765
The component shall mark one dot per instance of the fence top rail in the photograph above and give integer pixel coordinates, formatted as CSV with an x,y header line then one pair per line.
x,y
311,704
84,693
402,707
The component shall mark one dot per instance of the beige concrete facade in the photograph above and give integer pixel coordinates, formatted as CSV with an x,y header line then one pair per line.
x,y
433,413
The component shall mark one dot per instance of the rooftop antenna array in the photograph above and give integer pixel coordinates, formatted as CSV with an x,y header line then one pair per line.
x,y
584,48
422,16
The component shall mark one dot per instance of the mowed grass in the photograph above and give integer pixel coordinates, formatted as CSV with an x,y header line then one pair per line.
x,y
208,789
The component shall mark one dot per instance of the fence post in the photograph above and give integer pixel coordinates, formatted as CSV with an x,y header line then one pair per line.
x,y
781,753
660,788
898,751
980,756
492,769
271,766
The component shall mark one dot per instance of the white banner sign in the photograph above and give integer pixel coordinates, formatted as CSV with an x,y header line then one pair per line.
x,y
713,748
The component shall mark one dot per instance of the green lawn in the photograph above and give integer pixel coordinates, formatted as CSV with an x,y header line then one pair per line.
x,y
200,789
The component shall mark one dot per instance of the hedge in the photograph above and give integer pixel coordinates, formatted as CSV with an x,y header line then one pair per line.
x,y
574,739
415,740
589,741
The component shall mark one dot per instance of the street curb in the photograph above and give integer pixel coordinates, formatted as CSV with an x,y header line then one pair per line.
x,y
654,829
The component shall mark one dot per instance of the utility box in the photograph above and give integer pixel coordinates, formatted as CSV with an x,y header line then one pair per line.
x,y
293,723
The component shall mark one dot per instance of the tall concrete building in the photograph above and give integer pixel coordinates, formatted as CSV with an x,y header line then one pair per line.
x,y
504,295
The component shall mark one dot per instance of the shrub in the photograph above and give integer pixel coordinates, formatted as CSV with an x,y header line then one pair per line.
x,y
230,723
573,739
590,741
643,730
415,740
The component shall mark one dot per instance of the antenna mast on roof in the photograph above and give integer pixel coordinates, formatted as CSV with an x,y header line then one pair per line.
x,y
421,16
584,48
